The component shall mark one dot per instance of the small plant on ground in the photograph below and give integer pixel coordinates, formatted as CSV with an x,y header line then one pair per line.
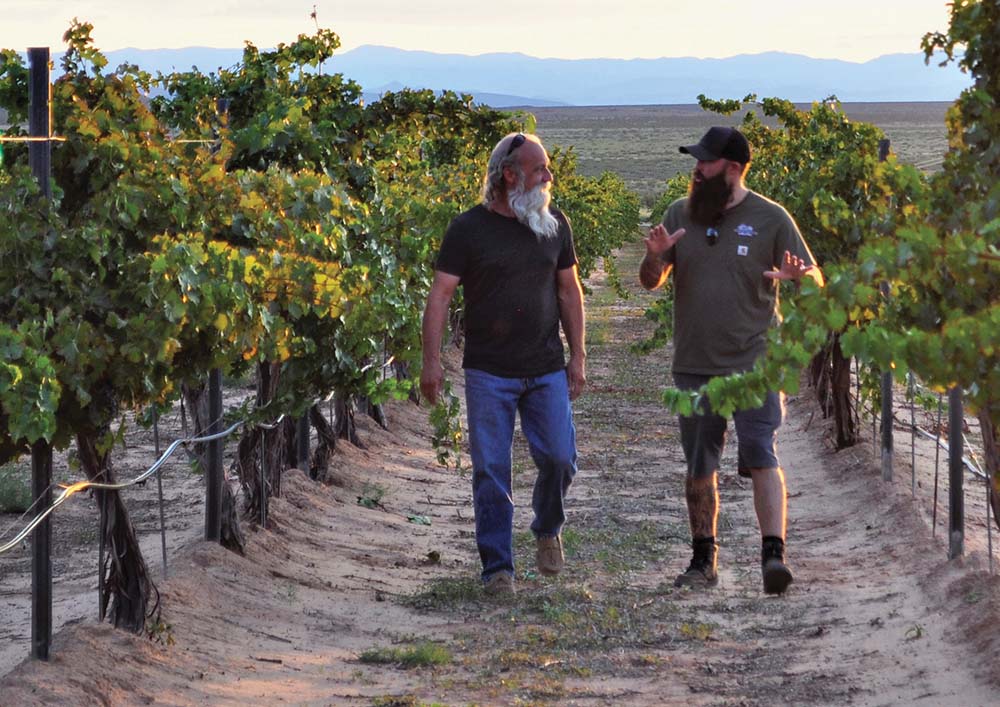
x,y
697,631
414,656
159,631
371,496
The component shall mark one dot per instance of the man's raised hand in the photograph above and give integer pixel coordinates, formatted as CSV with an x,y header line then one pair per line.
x,y
659,241
792,268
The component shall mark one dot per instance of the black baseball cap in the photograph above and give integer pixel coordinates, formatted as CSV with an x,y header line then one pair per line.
x,y
720,143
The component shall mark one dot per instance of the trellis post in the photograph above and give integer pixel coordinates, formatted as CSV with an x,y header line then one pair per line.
x,y
956,469
886,388
214,476
40,159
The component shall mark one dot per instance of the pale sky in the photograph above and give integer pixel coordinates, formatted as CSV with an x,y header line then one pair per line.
x,y
853,30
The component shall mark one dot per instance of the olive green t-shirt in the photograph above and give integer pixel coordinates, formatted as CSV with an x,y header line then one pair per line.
x,y
723,304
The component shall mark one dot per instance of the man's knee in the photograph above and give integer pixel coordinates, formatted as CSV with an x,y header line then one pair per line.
x,y
767,476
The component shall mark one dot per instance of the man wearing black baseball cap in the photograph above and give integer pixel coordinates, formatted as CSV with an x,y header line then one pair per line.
x,y
727,248
720,143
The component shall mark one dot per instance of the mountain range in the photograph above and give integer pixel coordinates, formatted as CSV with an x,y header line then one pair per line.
x,y
510,79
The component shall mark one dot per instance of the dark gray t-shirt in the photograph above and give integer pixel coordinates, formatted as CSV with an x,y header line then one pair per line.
x,y
723,303
508,275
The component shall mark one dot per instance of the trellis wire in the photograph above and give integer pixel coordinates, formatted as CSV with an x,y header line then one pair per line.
x,y
71,489
159,490
970,463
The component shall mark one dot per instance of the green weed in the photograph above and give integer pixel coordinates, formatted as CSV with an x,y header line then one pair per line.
x,y
159,631
697,631
414,656
371,496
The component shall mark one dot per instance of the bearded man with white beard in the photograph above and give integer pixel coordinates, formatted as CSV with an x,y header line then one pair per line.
x,y
514,257
727,248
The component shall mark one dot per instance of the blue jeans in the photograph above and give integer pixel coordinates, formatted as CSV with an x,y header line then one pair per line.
x,y
547,423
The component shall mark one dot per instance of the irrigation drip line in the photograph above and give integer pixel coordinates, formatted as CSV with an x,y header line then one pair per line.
x,y
30,508
902,425
71,489
6,138
57,138
966,462
74,488
273,425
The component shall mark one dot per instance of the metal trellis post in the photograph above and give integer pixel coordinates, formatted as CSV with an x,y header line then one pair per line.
x,y
956,496
40,159
883,154
913,434
214,477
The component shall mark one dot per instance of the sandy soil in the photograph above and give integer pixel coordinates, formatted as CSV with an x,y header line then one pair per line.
x,y
877,614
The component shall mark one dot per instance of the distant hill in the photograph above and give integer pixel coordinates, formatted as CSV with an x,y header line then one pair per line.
x,y
504,80
496,100
894,77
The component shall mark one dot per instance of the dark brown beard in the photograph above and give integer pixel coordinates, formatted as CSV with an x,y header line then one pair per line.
x,y
707,199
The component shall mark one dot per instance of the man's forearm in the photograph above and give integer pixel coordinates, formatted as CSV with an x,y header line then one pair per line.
x,y
653,271
572,316
432,330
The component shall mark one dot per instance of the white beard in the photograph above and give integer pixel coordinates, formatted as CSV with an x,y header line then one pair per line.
x,y
532,209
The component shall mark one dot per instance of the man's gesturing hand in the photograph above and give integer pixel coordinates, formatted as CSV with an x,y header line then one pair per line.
x,y
659,241
792,268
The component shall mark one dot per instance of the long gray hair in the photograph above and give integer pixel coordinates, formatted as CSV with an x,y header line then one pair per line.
x,y
494,188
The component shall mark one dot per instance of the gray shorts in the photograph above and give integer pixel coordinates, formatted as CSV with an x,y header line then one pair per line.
x,y
704,436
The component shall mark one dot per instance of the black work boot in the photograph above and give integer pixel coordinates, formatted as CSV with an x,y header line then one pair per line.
x,y
701,573
776,574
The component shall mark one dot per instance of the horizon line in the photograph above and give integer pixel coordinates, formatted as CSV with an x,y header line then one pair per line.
x,y
343,51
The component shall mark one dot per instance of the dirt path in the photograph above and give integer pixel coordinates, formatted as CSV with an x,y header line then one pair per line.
x,y
876,616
